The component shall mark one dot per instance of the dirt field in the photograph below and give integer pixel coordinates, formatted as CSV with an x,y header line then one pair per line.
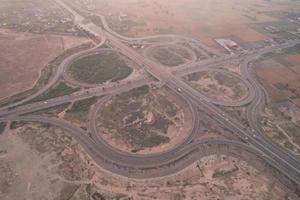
x,y
144,120
281,122
217,85
295,61
63,171
23,55
280,81
205,20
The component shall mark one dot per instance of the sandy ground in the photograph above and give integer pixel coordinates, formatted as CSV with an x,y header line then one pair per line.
x,y
281,122
23,55
210,87
62,170
297,101
294,59
206,20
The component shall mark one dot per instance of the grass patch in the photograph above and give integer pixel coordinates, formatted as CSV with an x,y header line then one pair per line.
x,y
281,59
280,56
195,76
140,118
280,28
164,104
17,124
167,57
60,89
231,82
99,68
138,92
292,50
212,89
227,80
79,110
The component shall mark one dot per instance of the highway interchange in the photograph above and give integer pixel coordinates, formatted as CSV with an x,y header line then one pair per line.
x,y
189,150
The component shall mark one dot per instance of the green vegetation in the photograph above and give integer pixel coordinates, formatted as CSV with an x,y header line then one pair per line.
x,y
140,118
2,126
279,57
168,57
181,52
225,79
138,92
196,76
58,90
292,50
164,104
99,68
282,60
222,79
280,28
231,82
294,92
79,110
17,124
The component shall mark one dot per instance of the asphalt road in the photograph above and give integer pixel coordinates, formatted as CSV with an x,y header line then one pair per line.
x,y
183,154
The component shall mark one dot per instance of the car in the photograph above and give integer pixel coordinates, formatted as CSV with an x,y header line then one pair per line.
x,y
179,89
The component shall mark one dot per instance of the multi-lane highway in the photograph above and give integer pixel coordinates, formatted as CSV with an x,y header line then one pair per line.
x,y
285,162
186,152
